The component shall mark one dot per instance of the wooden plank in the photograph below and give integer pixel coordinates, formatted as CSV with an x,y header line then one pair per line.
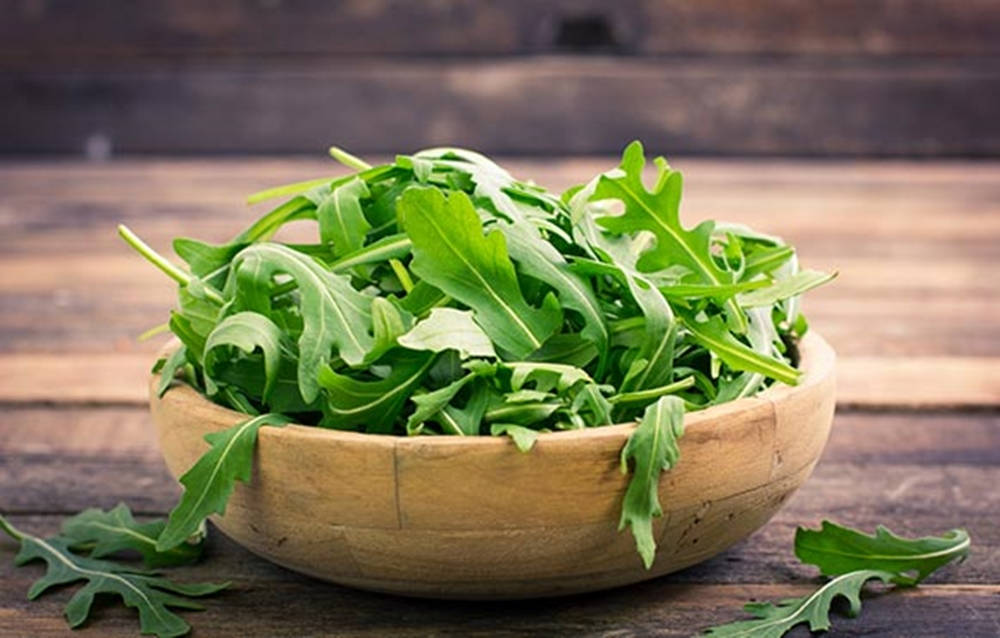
x,y
72,285
298,606
273,601
917,473
97,378
63,31
899,107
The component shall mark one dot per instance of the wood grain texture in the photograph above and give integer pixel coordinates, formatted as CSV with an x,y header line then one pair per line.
x,y
912,468
63,31
473,518
807,107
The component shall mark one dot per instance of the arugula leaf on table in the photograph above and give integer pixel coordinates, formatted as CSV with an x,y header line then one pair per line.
x,y
210,481
147,592
837,550
103,533
774,621
652,447
451,252
852,559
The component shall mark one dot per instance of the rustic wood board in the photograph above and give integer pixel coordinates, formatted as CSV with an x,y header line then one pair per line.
x,y
844,107
914,314
60,32
923,474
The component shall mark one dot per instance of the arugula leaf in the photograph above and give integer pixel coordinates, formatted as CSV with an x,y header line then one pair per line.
x,y
173,363
780,290
524,438
247,331
838,550
210,481
451,252
375,404
333,312
449,329
652,447
716,336
657,211
147,592
773,621
105,533
342,221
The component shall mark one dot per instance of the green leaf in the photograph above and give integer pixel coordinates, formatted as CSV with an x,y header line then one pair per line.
x,y
652,447
334,314
342,222
104,533
210,481
173,363
657,211
774,621
524,438
715,336
540,259
838,550
373,404
146,592
782,289
391,247
451,252
449,329
247,331
429,406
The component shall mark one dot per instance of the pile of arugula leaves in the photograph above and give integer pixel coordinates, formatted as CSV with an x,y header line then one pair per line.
x,y
442,296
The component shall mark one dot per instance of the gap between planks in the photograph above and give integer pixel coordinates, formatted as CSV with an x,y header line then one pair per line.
x,y
919,382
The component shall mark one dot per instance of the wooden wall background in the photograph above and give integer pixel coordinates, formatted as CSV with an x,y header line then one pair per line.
x,y
786,77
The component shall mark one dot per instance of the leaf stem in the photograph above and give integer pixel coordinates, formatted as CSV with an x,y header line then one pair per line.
x,y
153,257
11,531
348,160
642,396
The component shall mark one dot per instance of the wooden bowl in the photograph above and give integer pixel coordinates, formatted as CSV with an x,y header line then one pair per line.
x,y
473,518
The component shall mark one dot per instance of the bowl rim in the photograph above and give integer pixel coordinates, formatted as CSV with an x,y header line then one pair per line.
x,y
817,362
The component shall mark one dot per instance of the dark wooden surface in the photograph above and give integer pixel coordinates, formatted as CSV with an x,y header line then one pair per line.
x,y
831,77
915,316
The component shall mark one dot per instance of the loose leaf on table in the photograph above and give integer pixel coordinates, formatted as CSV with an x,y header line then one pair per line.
x,y
104,533
774,621
652,447
210,481
334,314
837,550
657,211
375,404
449,329
451,252
147,592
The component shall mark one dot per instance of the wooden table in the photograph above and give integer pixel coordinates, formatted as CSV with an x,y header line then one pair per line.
x,y
915,317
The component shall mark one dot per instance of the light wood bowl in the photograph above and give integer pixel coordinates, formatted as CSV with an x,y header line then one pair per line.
x,y
472,517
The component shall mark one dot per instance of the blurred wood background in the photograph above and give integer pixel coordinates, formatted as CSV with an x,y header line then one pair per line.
x,y
789,77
